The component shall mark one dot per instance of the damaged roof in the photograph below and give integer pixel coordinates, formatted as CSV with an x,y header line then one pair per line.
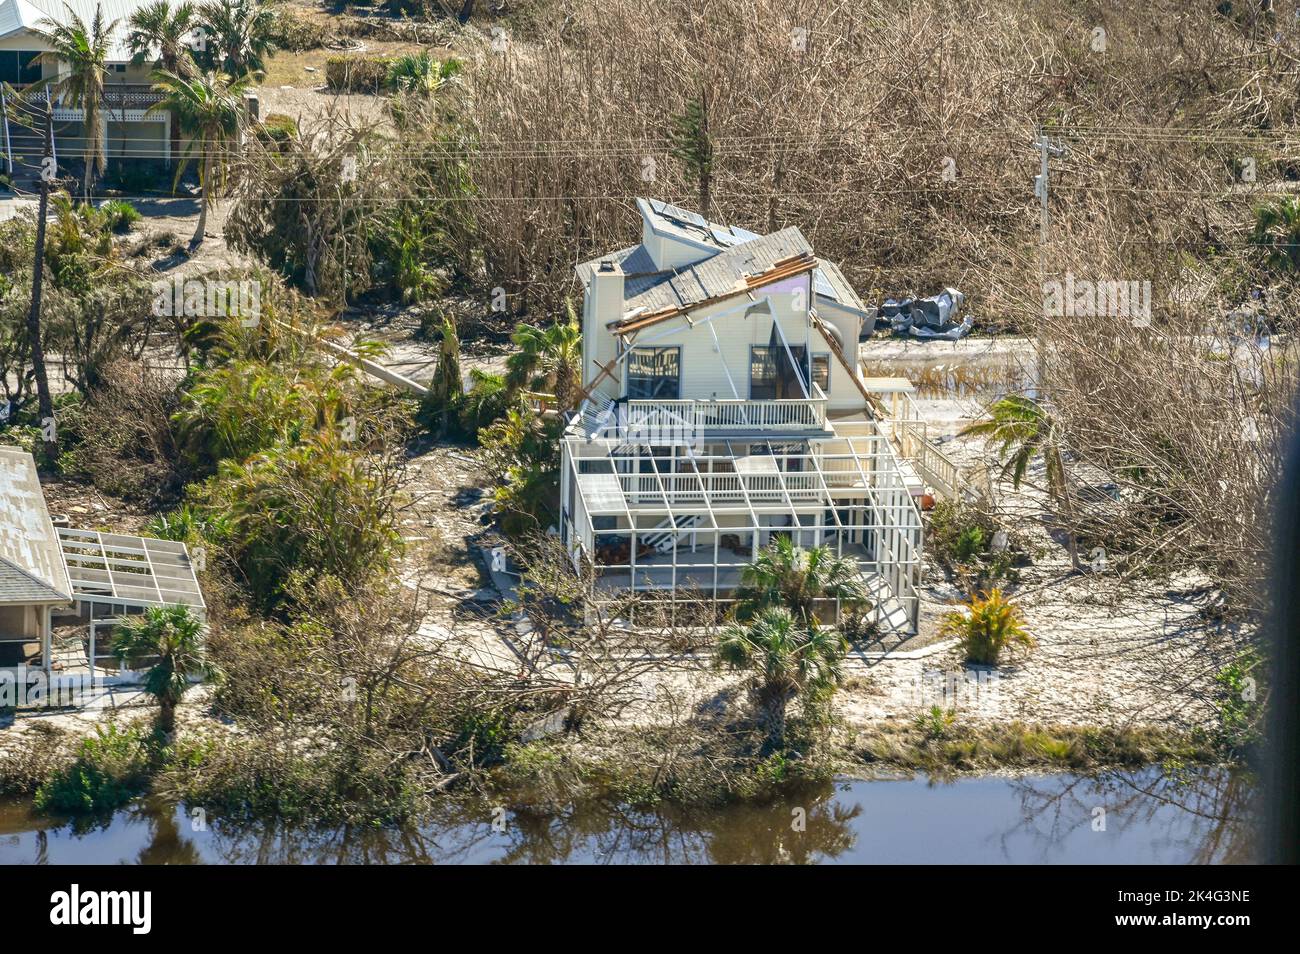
x,y
644,283
722,273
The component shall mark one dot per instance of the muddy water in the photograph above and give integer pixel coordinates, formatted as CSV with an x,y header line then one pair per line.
x,y
1142,817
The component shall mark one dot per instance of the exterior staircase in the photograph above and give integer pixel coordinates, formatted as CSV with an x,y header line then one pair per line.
x,y
666,534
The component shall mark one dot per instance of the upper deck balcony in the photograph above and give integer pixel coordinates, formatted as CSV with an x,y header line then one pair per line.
x,y
118,97
646,419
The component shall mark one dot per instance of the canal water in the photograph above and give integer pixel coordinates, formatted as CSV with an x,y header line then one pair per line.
x,y
1140,817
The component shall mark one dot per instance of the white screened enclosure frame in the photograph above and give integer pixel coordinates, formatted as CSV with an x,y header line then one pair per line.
x,y
114,573
694,507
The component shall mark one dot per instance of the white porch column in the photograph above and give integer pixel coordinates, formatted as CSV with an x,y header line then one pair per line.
x,y
47,647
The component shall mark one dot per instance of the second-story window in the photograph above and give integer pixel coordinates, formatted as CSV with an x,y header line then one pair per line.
x,y
19,66
772,376
654,373
821,372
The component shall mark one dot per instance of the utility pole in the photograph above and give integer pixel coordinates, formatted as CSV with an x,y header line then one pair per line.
x,y
4,118
45,405
1041,185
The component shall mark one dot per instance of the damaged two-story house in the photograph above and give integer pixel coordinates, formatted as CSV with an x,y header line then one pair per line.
x,y
725,408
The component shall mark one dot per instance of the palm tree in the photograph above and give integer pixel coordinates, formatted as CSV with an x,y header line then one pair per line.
x,y
210,110
242,34
169,30
548,360
420,73
1023,430
173,636
166,28
1277,234
442,400
786,658
796,578
83,51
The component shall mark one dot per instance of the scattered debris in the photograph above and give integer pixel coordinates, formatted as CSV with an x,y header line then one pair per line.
x,y
928,317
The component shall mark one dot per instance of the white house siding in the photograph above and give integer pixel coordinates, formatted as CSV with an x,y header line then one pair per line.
x,y
704,367
844,394
702,364
672,252
19,622
136,140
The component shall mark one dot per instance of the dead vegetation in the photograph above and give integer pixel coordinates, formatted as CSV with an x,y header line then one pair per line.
x,y
899,137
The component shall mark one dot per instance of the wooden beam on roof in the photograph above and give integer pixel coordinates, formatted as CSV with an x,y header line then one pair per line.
x,y
836,349
783,268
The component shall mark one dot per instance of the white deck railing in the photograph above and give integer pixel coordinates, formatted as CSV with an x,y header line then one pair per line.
x,y
701,417
912,439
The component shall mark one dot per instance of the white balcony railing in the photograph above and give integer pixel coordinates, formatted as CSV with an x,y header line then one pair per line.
x,y
701,417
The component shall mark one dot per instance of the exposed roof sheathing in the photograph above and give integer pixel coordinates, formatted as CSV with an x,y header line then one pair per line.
x,y
644,283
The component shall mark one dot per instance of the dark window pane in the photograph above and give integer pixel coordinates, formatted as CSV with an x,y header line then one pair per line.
x,y
19,66
821,372
654,373
772,376
762,373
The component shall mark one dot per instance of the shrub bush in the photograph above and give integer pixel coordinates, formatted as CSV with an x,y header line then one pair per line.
x,y
278,129
110,769
122,437
294,33
138,176
958,532
318,507
989,625
357,74
119,215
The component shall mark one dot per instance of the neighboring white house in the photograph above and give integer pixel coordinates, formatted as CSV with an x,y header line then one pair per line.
x,y
52,576
725,408
129,132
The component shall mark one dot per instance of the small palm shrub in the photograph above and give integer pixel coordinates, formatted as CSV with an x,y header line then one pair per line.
x,y
419,73
119,215
487,400
786,658
970,543
988,625
169,639
958,532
